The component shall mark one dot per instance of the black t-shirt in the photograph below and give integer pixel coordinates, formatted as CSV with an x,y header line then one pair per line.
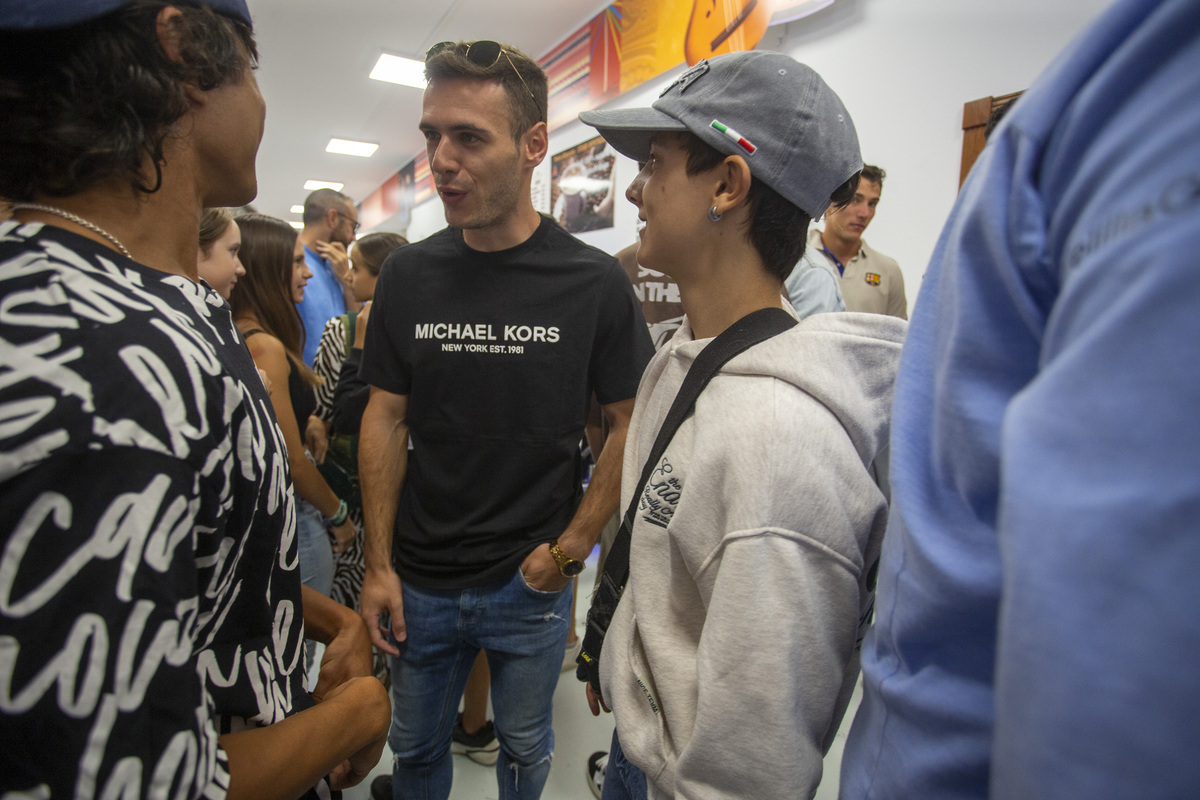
x,y
304,399
499,354
147,531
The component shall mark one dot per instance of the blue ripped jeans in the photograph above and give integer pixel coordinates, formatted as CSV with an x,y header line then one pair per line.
x,y
524,632
316,564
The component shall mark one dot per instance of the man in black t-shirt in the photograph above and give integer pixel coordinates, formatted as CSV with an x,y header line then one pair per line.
x,y
485,344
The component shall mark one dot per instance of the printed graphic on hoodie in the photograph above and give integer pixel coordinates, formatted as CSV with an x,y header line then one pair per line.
x,y
661,495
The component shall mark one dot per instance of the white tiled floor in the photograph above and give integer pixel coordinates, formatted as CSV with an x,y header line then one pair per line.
x,y
577,734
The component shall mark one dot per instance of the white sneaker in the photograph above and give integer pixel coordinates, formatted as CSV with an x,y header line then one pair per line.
x,y
482,747
597,763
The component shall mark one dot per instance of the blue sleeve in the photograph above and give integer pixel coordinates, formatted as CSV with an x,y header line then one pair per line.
x,y
1036,633
323,300
813,289
1099,512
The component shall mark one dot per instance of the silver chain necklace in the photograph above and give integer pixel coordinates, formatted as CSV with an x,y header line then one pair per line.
x,y
76,219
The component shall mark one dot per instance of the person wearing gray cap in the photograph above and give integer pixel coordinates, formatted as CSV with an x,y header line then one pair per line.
x,y
732,654
151,636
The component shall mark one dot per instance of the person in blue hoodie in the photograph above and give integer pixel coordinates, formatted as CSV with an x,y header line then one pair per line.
x,y
1037,632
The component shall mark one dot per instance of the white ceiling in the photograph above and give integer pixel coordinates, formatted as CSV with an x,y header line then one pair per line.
x,y
315,56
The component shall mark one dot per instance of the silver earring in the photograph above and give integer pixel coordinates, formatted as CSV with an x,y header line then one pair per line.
x,y
713,215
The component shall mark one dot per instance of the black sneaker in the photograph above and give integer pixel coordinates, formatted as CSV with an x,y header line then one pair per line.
x,y
480,746
381,788
597,764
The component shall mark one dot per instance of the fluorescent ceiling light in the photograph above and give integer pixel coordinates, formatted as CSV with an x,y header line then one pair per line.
x,y
404,71
297,209
312,186
350,148
297,225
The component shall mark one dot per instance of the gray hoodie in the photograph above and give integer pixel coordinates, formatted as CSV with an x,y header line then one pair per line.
x,y
733,652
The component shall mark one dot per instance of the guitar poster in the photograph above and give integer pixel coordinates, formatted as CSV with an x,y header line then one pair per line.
x,y
633,41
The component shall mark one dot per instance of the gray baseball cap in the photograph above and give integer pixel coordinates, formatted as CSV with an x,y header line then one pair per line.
x,y
37,14
770,109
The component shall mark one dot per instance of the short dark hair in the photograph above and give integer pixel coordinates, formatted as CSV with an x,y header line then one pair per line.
x,y
88,103
266,289
524,82
874,174
320,201
777,228
372,249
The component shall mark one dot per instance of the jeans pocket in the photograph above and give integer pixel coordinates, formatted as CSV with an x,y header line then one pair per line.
x,y
537,592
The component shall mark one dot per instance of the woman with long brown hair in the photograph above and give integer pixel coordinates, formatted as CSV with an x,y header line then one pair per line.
x,y
264,310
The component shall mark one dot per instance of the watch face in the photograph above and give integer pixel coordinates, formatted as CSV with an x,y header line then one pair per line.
x,y
572,568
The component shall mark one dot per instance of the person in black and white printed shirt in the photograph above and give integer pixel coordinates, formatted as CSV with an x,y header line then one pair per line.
x,y
150,607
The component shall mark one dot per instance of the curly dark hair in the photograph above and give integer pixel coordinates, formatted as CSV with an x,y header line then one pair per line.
x,y
778,229
89,103
524,82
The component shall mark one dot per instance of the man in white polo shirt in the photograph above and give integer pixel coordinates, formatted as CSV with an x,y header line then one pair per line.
x,y
871,281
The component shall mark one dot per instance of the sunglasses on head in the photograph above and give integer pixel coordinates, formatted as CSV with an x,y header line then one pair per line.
x,y
483,53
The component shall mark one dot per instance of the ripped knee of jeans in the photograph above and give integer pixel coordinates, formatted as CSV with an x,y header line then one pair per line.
x,y
517,768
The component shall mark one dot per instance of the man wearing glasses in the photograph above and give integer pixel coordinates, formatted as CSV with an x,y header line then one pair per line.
x,y
330,222
486,344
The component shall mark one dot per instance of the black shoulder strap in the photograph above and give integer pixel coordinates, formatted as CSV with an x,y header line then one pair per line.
x,y
742,335
751,329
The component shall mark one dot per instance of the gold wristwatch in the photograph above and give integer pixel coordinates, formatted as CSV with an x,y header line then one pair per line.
x,y
569,567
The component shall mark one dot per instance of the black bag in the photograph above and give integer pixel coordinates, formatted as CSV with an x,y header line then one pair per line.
x,y
340,469
743,334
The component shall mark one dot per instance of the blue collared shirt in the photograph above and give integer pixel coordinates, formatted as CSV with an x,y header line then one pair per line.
x,y
323,300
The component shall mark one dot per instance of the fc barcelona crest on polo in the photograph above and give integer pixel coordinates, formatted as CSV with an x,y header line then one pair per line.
x,y
872,279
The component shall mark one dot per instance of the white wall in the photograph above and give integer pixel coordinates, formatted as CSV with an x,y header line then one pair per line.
x,y
904,68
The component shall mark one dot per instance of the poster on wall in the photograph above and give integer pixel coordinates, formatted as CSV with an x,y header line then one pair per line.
x,y
539,188
632,41
424,179
406,196
583,186
389,208
380,206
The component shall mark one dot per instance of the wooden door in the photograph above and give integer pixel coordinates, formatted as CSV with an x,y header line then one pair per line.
x,y
976,115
